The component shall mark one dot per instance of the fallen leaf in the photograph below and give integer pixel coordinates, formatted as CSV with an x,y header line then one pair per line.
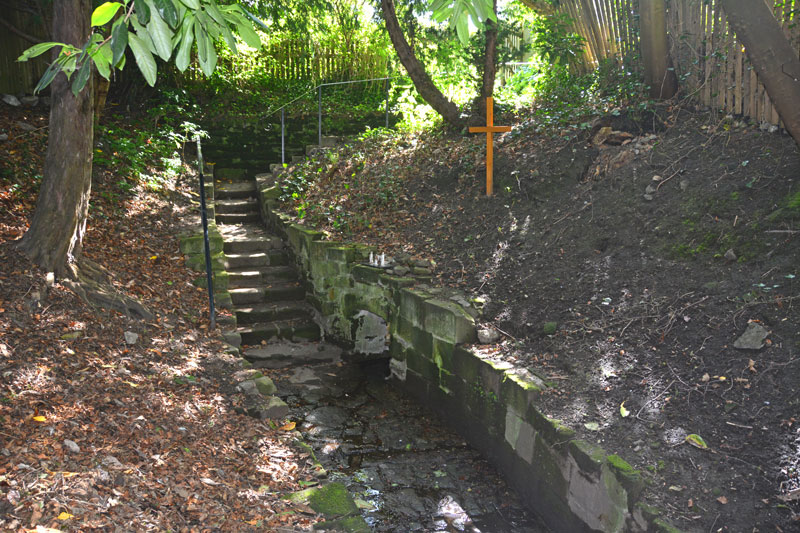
x,y
65,516
705,378
592,426
623,412
288,426
696,441
723,500
39,418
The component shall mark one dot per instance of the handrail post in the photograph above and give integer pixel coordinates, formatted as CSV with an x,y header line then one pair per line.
x,y
204,217
387,103
319,114
283,138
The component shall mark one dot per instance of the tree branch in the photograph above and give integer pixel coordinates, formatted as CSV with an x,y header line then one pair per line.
x,y
29,38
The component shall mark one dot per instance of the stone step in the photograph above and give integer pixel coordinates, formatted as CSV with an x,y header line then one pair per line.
x,y
277,292
238,205
235,190
260,276
296,329
259,259
246,246
271,312
284,354
230,174
239,218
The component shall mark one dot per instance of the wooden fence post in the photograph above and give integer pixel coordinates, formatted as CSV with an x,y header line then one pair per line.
x,y
658,71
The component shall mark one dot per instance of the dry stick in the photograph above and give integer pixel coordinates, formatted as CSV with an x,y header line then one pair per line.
x,y
662,182
648,402
504,333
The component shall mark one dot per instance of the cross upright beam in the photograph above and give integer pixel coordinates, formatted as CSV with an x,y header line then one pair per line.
x,y
489,130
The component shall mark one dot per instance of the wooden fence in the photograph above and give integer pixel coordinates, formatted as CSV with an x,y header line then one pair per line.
x,y
709,60
16,77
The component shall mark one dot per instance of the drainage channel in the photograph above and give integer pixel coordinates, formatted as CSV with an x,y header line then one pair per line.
x,y
407,470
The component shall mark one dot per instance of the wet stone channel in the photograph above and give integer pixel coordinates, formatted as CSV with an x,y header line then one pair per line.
x,y
407,470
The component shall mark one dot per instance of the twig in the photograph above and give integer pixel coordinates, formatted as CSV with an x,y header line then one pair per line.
x,y
738,425
788,231
662,182
648,402
505,333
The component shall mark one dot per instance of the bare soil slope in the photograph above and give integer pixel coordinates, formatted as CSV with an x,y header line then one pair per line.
x,y
621,265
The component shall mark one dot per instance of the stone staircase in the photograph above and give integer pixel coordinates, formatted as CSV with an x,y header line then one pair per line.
x,y
268,298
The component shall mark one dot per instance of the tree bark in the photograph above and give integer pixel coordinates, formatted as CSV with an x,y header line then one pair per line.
x,y
658,75
489,63
56,233
419,76
771,54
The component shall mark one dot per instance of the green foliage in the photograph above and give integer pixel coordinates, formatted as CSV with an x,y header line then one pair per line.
x,y
159,28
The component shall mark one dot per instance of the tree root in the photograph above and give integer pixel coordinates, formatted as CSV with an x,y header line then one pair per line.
x,y
90,282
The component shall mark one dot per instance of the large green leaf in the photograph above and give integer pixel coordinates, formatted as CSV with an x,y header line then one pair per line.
x,y
211,8
206,54
102,60
246,32
167,10
208,24
48,76
119,41
144,35
144,59
79,82
182,58
191,4
104,13
142,11
37,50
161,35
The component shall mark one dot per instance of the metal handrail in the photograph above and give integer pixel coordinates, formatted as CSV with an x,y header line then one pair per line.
x,y
318,89
206,246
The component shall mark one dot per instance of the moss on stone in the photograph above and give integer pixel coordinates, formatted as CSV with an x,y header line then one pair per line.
x,y
351,524
328,500
628,477
589,457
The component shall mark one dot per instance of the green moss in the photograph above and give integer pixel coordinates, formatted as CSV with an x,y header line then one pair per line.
x,y
628,477
329,500
352,524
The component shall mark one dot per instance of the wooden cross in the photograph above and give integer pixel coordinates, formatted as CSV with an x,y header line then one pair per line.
x,y
489,129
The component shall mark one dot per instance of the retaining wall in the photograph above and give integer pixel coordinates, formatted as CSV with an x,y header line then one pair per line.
x,y
572,484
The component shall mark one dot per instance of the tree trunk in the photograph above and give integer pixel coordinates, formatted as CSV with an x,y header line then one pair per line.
x,y
54,238
489,63
658,74
416,70
771,54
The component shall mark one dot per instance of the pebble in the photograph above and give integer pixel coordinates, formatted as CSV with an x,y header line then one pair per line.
x,y
72,446
29,101
131,337
488,335
11,100
648,197
24,126
3,136
730,255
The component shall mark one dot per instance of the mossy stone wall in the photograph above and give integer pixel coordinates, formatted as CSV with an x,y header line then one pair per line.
x,y
572,484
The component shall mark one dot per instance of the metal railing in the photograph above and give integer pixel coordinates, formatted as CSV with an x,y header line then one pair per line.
x,y
206,246
318,89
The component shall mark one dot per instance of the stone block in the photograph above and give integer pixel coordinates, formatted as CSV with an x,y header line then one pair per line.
x,y
589,457
265,386
520,389
194,244
520,435
550,429
366,274
342,254
466,364
232,338
412,306
270,192
550,469
442,354
449,321
274,409
395,283
423,366
198,262
371,333
220,280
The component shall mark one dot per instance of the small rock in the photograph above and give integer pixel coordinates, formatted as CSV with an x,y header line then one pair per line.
x,y
112,462
488,335
684,184
29,101
247,374
248,387
549,328
648,197
650,189
657,178
753,337
265,386
24,126
11,100
275,408
421,263
72,446
3,136
421,271
730,255
131,337
401,270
